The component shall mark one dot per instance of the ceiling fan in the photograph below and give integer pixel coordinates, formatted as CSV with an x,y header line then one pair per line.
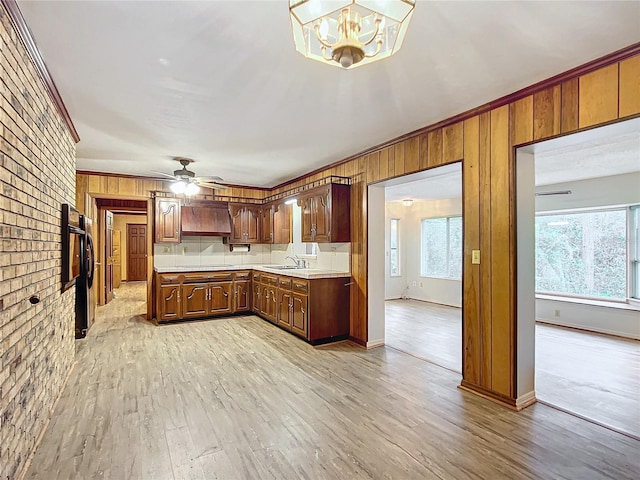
x,y
185,181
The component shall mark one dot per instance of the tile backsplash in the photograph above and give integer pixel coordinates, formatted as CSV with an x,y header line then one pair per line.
x,y
205,251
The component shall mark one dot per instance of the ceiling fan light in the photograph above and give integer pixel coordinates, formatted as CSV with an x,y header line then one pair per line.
x,y
178,187
191,189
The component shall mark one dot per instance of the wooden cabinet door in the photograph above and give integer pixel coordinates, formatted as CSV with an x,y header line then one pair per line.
x,y
237,227
306,207
169,302
322,216
252,224
220,297
242,295
299,315
167,220
284,308
269,302
257,296
264,300
195,300
266,224
282,231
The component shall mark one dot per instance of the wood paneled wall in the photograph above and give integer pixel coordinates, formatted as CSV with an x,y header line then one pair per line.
x,y
484,142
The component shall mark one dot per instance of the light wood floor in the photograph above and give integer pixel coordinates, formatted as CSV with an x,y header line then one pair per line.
x,y
592,375
239,398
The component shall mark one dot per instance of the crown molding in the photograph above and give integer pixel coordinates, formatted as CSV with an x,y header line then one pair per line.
x,y
26,37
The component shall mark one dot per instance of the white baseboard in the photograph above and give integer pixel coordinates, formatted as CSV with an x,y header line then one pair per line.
x,y
375,343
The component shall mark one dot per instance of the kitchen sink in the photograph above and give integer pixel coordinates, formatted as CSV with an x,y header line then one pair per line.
x,y
283,267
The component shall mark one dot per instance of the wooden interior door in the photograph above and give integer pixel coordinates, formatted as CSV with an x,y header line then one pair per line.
x,y
108,254
117,259
136,252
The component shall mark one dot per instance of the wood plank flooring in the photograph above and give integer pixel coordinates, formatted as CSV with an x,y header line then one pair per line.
x,y
592,375
427,330
238,398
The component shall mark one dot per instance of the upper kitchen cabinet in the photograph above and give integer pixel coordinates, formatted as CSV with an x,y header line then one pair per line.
x,y
245,223
282,218
275,223
167,220
266,224
326,214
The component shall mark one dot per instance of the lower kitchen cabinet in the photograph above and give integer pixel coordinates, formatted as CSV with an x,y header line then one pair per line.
x,y
168,303
299,314
201,294
242,296
269,297
220,298
316,309
195,300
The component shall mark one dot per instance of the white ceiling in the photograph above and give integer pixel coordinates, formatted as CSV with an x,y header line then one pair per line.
x,y
222,83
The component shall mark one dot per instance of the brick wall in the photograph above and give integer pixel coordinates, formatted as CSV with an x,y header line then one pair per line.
x,y
37,175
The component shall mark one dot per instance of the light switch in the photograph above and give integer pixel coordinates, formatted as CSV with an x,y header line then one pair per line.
x,y
475,257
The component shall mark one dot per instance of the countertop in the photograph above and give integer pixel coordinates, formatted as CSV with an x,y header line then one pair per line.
x,y
307,273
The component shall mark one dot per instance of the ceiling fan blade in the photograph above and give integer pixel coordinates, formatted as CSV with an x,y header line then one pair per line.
x,y
163,174
215,186
210,179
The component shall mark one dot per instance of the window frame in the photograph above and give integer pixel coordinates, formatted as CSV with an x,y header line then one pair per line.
x,y
448,248
628,245
397,249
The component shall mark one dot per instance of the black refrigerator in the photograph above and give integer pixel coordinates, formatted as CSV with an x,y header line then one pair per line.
x,y
85,303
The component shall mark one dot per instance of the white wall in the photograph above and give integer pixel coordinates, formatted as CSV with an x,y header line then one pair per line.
x,y
437,290
599,192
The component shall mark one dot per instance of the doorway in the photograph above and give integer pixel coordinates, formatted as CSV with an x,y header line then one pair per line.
x,y
577,244
113,215
415,244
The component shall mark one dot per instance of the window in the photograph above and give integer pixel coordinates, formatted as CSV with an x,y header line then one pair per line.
x,y
582,253
394,248
442,247
634,250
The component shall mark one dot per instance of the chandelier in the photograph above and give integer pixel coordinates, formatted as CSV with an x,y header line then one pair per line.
x,y
349,33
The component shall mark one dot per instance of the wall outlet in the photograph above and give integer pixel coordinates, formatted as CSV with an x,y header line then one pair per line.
x,y
184,249
167,249
414,283
557,313
421,284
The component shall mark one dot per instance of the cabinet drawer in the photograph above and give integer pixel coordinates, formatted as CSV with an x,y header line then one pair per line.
x,y
243,275
284,282
268,279
165,279
301,286
207,277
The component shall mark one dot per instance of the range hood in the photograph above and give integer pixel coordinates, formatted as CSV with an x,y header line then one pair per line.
x,y
205,218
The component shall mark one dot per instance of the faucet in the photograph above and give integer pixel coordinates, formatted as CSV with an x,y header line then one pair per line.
x,y
296,260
